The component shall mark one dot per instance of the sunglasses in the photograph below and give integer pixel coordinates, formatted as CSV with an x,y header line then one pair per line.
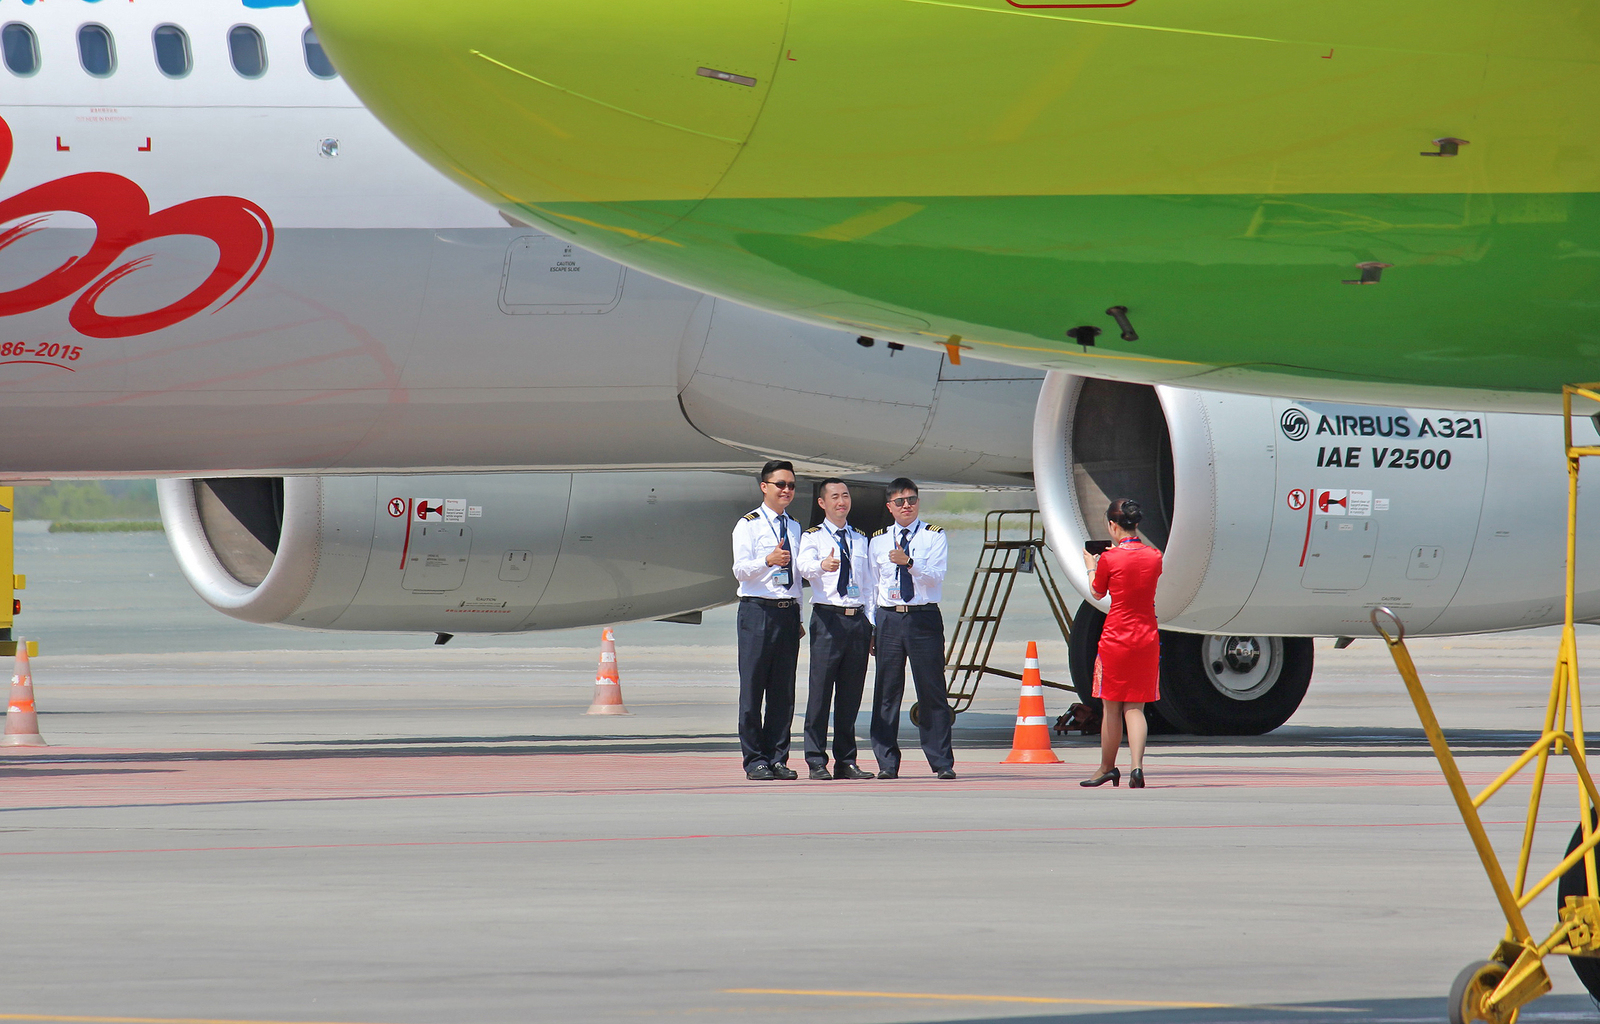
x,y
903,502
782,485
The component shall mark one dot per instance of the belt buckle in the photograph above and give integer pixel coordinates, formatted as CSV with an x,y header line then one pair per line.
x,y
902,608
849,611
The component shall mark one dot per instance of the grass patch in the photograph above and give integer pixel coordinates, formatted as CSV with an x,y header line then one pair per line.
x,y
105,526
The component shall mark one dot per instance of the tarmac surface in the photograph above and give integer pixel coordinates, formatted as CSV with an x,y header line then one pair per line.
x,y
441,835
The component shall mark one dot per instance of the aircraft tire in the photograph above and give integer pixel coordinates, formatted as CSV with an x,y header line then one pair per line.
x,y
1233,685
1193,698
1576,883
1082,649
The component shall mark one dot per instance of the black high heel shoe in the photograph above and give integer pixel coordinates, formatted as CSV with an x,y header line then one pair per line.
x,y
1136,779
1114,776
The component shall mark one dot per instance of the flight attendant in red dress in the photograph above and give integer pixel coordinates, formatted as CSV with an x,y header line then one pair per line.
x,y
1127,672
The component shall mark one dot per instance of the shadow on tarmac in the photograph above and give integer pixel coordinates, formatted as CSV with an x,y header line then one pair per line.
x,y
1351,1011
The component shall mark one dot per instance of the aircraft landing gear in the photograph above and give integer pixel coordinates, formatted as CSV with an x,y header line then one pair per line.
x,y
1210,685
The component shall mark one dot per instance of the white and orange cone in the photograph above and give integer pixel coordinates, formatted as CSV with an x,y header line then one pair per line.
x,y
1030,744
607,684
22,721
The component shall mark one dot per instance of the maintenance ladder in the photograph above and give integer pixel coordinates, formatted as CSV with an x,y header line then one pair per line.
x,y
1013,542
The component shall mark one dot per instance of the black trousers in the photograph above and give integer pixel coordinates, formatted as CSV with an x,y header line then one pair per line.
x,y
839,645
769,646
918,636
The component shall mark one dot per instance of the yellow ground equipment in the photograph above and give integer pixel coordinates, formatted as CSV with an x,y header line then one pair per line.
x,y
1494,990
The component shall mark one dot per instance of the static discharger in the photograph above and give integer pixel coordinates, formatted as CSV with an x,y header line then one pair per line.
x,y
725,76
1371,273
607,684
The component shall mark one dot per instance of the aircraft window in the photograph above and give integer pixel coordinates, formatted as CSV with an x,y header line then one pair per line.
x,y
21,48
96,50
248,51
317,61
172,51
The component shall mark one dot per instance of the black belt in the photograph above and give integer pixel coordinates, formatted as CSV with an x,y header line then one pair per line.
x,y
904,608
772,602
842,609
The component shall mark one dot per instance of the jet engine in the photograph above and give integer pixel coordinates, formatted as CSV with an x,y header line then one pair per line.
x,y
1281,520
457,554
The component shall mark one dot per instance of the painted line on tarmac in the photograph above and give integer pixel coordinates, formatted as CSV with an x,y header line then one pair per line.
x,y
739,835
150,1020
962,998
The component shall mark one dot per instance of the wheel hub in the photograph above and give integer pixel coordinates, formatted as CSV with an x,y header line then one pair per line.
x,y
1243,667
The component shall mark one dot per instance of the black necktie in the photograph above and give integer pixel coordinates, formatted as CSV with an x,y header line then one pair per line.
x,y
844,561
907,589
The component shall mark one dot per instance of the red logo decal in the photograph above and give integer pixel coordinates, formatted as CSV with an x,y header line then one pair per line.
x,y
1297,499
397,507
121,213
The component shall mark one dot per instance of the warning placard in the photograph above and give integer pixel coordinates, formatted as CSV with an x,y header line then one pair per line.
x,y
430,510
455,510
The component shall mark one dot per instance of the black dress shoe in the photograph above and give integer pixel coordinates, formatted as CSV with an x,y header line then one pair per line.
x,y
888,774
1114,776
759,773
849,771
947,773
821,773
1136,779
783,771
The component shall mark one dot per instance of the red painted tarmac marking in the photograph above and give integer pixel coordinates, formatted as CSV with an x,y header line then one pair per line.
x,y
209,777
752,835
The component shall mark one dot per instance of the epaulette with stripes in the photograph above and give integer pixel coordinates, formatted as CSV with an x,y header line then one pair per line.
x,y
881,532
752,515
814,529
933,529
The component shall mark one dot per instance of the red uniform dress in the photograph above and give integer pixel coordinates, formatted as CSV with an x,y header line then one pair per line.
x,y
1129,665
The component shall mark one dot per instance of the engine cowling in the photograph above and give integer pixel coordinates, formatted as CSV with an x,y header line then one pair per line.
x,y
457,554
1281,520
1289,518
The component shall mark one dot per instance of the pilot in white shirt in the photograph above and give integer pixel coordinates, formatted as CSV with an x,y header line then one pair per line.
x,y
835,559
908,565
764,545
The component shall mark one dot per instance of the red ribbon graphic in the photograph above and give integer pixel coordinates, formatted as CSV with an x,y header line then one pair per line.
x,y
121,213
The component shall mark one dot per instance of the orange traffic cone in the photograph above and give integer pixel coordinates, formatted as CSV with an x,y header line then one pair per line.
x,y
22,722
607,684
1030,744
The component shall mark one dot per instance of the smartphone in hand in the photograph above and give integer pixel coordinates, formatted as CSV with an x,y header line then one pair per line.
x,y
1096,547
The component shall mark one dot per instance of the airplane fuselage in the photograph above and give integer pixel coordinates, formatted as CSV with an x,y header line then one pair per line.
x,y
1312,199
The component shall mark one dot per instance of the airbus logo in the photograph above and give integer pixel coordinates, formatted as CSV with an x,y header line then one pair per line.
x,y
1296,425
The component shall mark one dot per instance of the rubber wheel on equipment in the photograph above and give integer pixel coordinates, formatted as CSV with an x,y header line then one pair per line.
x,y
1576,883
916,715
1471,986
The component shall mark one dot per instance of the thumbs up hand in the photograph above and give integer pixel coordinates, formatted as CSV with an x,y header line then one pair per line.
x,y
831,563
779,556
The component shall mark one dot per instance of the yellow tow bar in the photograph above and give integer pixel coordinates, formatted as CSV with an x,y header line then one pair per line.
x,y
1494,990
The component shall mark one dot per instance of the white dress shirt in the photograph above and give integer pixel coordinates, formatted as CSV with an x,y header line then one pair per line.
x,y
754,537
818,543
929,549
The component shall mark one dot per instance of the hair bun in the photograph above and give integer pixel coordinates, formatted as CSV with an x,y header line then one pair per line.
x,y
1125,512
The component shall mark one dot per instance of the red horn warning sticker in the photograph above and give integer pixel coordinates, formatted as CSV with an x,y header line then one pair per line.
x,y
1333,503
430,510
